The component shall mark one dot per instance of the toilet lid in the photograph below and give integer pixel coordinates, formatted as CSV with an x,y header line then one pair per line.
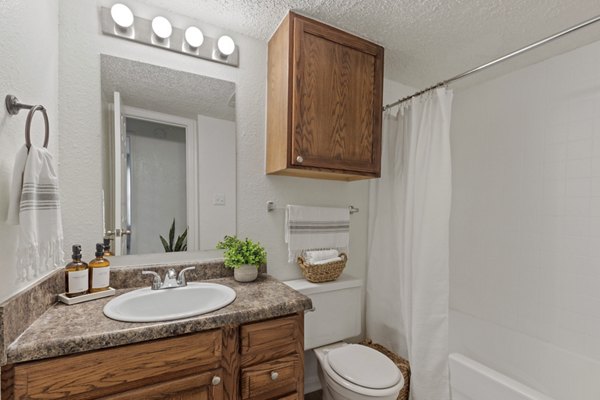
x,y
364,366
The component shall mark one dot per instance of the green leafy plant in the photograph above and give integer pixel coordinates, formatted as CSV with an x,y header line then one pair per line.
x,y
239,252
179,245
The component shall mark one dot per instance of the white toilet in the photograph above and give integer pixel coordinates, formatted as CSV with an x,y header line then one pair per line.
x,y
346,371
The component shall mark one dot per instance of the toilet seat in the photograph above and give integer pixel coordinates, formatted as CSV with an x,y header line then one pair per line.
x,y
364,366
356,388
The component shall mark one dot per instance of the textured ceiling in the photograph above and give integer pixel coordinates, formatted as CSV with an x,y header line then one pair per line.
x,y
165,90
425,40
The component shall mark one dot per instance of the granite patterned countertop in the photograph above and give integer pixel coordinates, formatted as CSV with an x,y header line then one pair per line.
x,y
63,329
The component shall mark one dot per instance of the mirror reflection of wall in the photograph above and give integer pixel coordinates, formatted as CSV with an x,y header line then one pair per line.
x,y
169,154
156,184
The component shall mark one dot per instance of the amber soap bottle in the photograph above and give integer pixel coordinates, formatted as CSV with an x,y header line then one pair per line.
x,y
76,275
99,271
107,252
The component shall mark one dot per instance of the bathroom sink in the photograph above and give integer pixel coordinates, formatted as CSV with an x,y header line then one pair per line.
x,y
147,305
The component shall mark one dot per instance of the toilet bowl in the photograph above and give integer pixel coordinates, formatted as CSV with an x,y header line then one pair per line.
x,y
345,371
356,372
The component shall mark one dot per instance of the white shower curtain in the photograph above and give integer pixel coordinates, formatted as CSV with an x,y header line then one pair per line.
x,y
409,212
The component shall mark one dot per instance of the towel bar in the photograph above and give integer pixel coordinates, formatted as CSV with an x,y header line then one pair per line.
x,y
271,207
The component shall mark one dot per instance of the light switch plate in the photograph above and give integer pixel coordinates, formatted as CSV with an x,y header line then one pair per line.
x,y
219,199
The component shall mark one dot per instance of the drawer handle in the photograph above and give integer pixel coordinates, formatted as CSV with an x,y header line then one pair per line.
x,y
216,380
274,375
300,159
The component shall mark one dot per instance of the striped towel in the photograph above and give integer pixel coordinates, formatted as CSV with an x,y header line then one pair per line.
x,y
34,206
316,228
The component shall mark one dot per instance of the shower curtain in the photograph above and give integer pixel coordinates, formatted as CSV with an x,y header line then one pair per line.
x,y
409,211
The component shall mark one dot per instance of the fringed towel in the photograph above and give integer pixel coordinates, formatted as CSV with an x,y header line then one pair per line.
x,y
35,207
316,228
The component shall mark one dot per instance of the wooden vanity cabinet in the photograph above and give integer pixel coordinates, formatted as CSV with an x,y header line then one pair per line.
x,y
259,361
193,387
272,359
324,102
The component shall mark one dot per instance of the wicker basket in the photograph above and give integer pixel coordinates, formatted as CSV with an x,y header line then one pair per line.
x,y
400,363
323,272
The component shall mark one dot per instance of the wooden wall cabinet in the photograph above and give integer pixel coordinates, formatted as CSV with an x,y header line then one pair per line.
x,y
324,102
259,361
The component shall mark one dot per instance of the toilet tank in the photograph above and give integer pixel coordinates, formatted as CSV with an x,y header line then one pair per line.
x,y
337,311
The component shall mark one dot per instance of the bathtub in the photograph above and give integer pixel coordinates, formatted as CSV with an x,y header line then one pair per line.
x,y
470,380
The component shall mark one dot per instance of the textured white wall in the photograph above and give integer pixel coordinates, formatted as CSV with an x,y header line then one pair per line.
x,y
80,45
29,70
216,154
525,226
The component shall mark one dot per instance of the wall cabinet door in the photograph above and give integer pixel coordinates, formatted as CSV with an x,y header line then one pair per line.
x,y
334,102
324,102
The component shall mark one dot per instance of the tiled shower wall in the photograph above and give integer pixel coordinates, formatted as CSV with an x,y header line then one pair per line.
x,y
525,225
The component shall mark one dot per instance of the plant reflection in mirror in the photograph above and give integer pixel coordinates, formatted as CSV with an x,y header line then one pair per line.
x,y
179,245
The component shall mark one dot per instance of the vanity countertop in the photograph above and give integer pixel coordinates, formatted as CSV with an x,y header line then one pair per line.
x,y
63,329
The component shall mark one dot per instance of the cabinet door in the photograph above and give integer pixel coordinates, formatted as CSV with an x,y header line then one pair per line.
x,y
337,86
205,386
97,374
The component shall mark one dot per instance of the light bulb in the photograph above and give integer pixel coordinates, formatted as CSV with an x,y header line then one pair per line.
x,y
122,15
162,27
194,37
226,45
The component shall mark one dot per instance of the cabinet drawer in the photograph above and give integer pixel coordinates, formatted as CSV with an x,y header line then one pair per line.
x,y
272,379
102,373
263,336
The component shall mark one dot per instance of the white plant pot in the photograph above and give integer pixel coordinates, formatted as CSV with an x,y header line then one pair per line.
x,y
245,273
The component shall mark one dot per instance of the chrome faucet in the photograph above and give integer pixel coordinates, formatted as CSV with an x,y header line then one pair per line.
x,y
172,280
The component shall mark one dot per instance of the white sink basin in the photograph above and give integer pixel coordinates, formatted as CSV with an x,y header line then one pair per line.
x,y
147,305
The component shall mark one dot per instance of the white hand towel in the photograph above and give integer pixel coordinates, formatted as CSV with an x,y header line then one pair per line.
x,y
316,228
327,261
36,197
14,201
312,256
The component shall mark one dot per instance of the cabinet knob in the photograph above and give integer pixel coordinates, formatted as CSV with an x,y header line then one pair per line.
x,y
216,380
274,375
299,159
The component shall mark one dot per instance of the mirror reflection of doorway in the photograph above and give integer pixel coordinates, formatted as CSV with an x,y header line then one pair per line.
x,y
205,108
155,183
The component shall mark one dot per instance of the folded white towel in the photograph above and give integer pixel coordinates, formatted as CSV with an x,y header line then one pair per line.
x,y
316,228
312,256
327,261
35,206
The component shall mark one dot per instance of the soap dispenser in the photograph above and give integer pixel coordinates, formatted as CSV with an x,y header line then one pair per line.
x,y
99,271
106,244
76,275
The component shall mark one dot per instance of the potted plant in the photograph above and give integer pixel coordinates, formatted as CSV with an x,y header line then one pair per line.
x,y
244,256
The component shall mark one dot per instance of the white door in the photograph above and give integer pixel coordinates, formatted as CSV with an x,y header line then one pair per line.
x,y
120,182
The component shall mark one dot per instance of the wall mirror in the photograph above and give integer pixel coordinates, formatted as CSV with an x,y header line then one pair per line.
x,y
169,157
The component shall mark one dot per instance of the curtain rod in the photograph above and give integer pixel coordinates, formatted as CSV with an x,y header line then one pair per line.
x,y
496,61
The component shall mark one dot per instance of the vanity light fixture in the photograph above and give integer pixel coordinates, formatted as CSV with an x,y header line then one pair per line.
x,y
226,45
194,37
162,27
118,21
121,15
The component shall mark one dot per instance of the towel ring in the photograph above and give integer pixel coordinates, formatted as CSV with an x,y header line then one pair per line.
x,y
28,126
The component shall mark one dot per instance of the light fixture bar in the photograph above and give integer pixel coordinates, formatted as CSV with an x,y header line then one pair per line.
x,y
141,32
